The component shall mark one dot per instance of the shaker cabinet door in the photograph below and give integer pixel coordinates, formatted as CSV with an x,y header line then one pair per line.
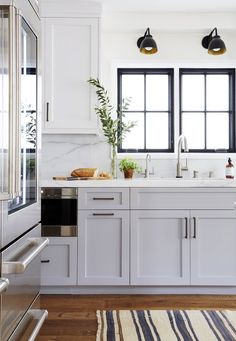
x,y
103,247
71,57
59,262
213,251
160,247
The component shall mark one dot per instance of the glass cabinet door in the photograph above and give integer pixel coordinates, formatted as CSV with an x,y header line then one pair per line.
x,y
27,118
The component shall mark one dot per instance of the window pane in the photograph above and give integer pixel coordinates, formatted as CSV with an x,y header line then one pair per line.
x,y
157,131
135,138
193,129
133,86
217,131
217,92
157,92
192,92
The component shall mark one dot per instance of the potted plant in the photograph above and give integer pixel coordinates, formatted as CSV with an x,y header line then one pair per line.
x,y
113,125
128,166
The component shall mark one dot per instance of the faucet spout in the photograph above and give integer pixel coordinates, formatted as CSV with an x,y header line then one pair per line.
x,y
182,143
147,170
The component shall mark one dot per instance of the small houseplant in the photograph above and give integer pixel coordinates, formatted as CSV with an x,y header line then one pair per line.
x,y
114,128
128,166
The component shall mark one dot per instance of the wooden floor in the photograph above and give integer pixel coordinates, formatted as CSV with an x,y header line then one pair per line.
x,y
73,317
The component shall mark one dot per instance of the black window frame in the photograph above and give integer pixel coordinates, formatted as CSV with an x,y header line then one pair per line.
x,y
232,128
170,111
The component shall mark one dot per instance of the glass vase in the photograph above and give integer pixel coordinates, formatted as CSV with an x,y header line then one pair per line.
x,y
113,163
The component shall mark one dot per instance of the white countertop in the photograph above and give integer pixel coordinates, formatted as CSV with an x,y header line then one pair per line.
x,y
141,182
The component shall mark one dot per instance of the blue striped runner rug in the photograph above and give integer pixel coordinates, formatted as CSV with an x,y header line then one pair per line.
x,y
166,325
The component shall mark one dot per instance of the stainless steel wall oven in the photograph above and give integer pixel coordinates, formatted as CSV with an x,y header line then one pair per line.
x,y
59,211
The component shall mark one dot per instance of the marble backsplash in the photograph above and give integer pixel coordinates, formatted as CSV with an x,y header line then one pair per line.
x,y
63,153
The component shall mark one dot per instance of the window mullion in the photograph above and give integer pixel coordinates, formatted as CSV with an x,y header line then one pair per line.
x,y
145,116
205,111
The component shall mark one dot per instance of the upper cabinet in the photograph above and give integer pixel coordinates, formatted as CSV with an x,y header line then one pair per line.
x,y
71,57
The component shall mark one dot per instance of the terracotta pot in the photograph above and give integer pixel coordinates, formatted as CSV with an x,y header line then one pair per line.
x,y
128,173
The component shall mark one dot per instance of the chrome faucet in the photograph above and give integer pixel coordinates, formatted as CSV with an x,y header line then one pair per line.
x,y
182,143
147,169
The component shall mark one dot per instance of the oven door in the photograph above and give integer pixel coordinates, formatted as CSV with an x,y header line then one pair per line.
x,y
20,264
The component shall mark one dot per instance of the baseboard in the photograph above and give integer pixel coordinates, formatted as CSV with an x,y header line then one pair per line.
x,y
108,290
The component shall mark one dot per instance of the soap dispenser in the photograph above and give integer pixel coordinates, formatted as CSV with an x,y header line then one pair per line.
x,y
229,170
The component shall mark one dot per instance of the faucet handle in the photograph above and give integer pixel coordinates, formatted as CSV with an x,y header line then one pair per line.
x,y
211,174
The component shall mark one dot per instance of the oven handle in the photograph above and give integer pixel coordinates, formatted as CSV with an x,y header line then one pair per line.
x,y
4,284
16,267
44,315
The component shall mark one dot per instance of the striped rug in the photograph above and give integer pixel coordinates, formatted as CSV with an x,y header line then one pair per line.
x,y
166,325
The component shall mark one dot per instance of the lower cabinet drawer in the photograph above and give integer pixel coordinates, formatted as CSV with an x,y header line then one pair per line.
x,y
100,198
59,262
184,198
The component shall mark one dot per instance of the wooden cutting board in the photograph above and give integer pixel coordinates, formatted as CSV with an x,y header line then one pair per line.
x,y
72,178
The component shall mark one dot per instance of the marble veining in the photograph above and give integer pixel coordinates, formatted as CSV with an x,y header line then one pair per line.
x,y
63,153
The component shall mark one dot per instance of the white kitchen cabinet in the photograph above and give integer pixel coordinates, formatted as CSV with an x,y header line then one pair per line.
x,y
70,58
175,247
213,247
59,262
103,247
160,247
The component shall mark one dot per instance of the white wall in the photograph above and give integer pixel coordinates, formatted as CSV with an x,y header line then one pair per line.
x,y
178,36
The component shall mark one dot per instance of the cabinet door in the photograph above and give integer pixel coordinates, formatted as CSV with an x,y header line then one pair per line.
x,y
160,247
103,257
70,59
213,247
59,262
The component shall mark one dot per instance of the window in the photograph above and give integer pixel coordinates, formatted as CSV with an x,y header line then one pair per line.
x,y
207,109
151,93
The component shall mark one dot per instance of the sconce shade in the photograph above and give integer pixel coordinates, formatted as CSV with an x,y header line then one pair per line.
x,y
214,44
147,44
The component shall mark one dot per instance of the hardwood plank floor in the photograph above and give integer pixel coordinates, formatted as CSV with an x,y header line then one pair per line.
x,y
73,317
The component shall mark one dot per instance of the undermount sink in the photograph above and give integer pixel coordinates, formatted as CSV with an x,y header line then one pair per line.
x,y
182,179
179,179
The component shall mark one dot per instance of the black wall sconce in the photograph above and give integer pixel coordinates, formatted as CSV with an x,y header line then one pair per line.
x,y
214,44
147,44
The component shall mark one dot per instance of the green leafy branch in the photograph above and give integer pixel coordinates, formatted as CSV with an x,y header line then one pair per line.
x,y
114,130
